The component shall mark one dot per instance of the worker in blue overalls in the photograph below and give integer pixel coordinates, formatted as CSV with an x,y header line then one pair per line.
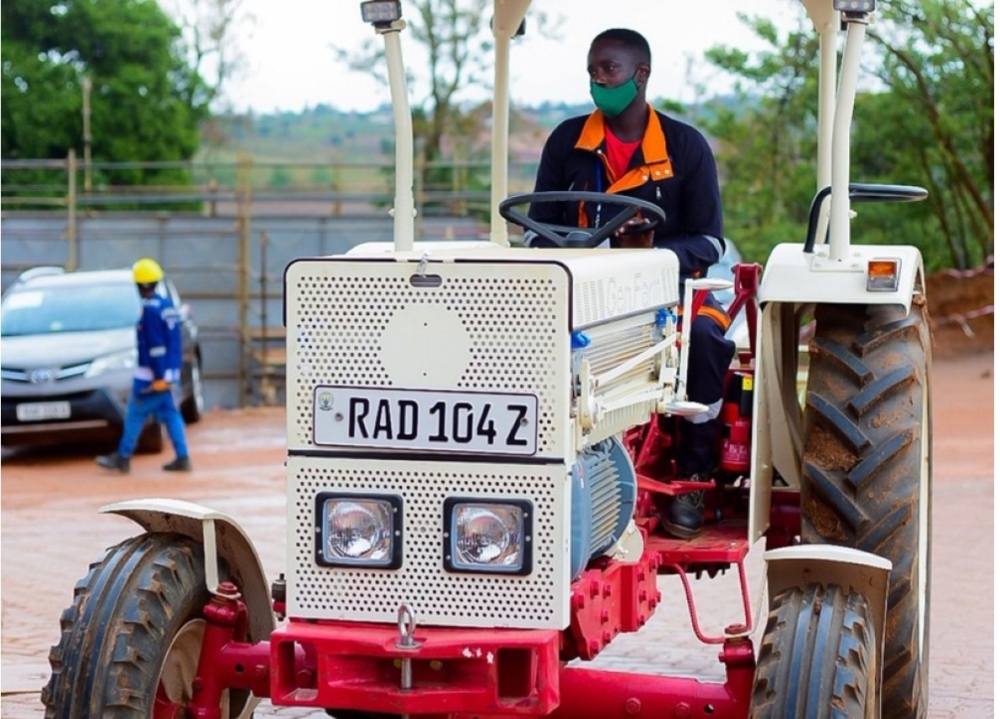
x,y
158,338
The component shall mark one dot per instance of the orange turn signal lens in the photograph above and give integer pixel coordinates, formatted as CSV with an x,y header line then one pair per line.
x,y
883,274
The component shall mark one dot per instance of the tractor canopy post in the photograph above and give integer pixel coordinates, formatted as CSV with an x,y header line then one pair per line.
x,y
508,16
404,209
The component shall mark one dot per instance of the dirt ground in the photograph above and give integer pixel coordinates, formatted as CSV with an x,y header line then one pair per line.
x,y
50,529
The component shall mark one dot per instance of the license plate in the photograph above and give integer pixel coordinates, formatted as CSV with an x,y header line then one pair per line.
x,y
492,423
38,411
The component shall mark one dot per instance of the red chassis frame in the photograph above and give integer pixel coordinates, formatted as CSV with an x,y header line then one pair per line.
x,y
483,673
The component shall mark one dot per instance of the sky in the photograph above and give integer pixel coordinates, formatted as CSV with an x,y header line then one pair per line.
x,y
291,62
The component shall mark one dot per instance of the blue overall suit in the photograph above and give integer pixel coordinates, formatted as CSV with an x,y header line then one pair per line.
x,y
158,337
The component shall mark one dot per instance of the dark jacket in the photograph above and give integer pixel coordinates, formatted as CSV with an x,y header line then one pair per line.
x,y
673,168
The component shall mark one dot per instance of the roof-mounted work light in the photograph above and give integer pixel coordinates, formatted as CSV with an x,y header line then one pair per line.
x,y
854,6
381,12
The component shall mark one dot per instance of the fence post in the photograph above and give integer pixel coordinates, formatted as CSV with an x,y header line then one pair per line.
x,y
87,177
71,250
213,190
338,202
244,169
267,385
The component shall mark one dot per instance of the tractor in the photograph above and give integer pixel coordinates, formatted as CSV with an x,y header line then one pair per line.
x,y
476,437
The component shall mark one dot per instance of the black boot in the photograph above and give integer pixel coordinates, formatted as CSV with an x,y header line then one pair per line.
x,y
115,461
180,464
683,515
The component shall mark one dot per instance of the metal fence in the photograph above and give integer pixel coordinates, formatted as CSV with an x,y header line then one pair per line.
x,y
224,244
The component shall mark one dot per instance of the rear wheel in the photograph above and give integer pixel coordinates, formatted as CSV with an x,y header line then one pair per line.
x,y
131,640
151,439
194,405
867,480
817,657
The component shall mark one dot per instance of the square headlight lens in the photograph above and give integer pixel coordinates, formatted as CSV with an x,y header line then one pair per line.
x,y
359,530
487,536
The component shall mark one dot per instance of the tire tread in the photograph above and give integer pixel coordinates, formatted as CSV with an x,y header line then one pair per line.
x,y
869,498
815,656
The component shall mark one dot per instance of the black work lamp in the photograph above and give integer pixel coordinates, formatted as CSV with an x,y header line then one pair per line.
x,y
854,6
381,12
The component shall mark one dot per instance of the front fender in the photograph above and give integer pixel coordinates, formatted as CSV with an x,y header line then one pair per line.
x,y
852,569
222,538
792,275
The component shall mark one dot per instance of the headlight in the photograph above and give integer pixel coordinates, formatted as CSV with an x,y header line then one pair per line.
x,y
488,536
124,360
359,530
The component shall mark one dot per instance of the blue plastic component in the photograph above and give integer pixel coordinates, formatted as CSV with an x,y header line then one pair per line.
x,y
662,315
604,489
580,340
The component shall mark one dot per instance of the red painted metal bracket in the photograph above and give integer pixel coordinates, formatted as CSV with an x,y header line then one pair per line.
x,y
608,600
359,666
597,694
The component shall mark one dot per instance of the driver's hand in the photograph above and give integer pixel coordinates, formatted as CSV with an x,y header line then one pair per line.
x,y
631,236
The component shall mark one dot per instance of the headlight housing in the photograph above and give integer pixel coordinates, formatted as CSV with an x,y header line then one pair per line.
x,y
114,362
488,536
359,530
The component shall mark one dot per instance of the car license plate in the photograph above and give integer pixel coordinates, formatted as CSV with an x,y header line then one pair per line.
x,y
491,423
38,411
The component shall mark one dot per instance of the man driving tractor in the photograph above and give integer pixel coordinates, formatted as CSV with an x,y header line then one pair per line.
x,y
626,147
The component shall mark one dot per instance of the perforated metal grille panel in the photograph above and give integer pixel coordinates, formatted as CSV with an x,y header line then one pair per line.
x,y
437,597
500,327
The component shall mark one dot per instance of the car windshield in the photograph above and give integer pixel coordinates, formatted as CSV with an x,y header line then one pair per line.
x,y
70,308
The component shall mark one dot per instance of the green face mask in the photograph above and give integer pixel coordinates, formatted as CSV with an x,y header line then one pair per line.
x,y
612,101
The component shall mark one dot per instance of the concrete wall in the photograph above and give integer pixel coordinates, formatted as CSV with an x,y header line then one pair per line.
x,y
201,255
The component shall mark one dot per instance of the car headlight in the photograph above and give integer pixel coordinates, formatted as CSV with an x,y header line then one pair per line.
x,y
359,530
487,536
114,362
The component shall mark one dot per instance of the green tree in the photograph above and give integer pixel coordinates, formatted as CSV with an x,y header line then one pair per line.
x,y
454,40
146,102
939,63
767,138
928,121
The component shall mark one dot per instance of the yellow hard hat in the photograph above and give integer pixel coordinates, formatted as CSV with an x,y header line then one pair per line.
x,y
146,272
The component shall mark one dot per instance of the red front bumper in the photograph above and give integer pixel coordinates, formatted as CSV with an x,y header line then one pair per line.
x,y
360,666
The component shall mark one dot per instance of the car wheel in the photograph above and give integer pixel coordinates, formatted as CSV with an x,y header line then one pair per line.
x,y
193,405
151,439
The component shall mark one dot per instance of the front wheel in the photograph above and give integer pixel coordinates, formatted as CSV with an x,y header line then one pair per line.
x,y
817,658
131,640
867,481
193,406
151,439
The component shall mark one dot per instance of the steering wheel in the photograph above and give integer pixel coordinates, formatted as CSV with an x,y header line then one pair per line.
x,y
566,236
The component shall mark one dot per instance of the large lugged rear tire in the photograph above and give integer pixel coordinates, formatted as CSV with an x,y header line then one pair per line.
x,y
131,639
867,480
817,657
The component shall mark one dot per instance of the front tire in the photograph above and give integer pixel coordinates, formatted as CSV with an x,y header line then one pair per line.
x,y
867,482
193,407
817,657
131,640
151,439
